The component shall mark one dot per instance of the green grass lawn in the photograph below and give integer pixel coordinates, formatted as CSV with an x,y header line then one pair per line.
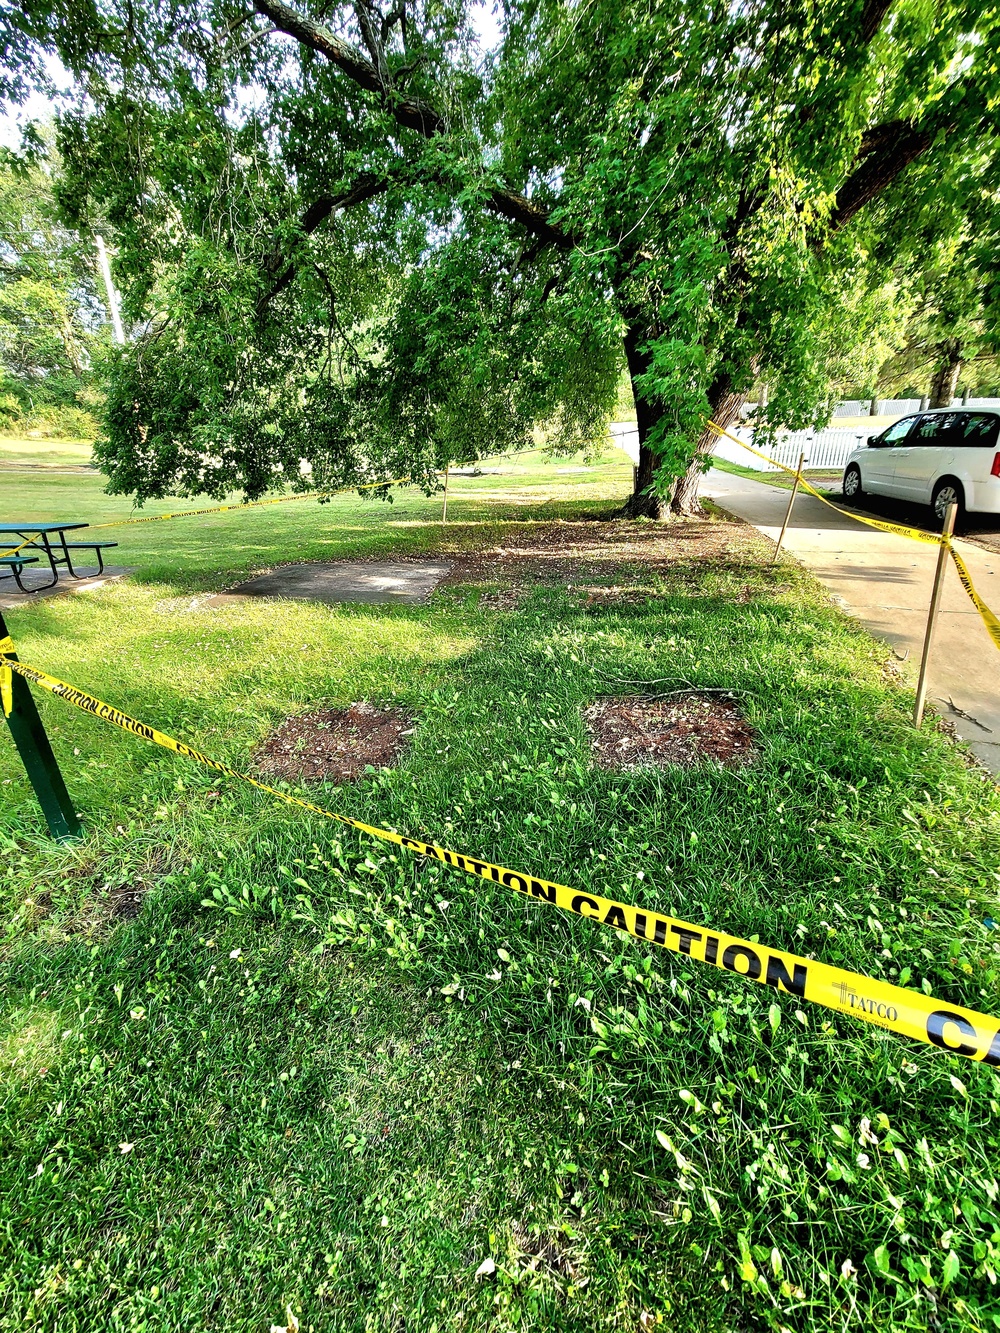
x,y
315,1078
826,480
199,553
34,454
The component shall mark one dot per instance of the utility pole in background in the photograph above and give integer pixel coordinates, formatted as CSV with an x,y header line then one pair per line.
x,y
116,319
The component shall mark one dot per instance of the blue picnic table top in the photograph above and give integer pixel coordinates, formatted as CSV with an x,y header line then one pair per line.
x,y
41,527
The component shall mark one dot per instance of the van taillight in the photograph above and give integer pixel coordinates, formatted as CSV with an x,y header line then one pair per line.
x,y
995,469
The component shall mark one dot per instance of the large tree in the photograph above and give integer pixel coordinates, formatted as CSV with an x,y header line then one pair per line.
x,y
350,244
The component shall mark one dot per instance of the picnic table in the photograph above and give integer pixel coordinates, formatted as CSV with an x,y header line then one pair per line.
x,y
46,542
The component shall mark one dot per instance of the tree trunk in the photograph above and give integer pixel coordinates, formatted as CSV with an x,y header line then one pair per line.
x,y
945,380
643,502
680,500
726,407
70,345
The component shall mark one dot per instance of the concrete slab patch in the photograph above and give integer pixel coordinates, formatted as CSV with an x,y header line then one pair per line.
x,y
341,582
11,597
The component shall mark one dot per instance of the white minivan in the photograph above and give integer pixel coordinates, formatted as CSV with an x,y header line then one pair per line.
x,y
942,457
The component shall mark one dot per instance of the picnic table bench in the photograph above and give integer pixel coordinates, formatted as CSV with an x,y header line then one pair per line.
x,y
44,541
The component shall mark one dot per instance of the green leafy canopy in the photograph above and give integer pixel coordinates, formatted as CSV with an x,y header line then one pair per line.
x,y
353,245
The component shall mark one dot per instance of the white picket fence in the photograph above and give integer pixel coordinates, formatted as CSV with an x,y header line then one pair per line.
x,y
829,449
823,449
897,407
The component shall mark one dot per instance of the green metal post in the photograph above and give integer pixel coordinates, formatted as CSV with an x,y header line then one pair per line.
x,y
39,761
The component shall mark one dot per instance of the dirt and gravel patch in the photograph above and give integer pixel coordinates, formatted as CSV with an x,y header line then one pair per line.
x,y
335,744
603,562
635,731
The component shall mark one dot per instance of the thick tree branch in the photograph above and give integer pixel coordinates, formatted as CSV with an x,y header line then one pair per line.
x,y
374,41
409,112
518,208
881,136
872,14
415,115
878,170
366,187
887,150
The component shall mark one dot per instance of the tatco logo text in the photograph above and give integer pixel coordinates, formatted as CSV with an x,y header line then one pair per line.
x,y
850,999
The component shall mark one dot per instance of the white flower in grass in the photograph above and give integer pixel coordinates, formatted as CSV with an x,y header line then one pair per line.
x,y
864,1161
126,1147
236,953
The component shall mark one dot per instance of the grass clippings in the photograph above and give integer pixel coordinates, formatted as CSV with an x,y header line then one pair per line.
x,y
635,731
335,744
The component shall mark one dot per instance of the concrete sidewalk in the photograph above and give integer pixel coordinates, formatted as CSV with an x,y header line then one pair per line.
x,y
885,581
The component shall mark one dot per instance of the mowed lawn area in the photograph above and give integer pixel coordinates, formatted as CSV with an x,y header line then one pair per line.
x,y
256,1069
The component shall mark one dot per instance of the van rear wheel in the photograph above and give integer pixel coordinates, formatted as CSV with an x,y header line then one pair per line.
x,y
947,492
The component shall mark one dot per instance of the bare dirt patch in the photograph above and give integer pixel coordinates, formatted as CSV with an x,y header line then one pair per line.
x,y
636,731
335,744
601,563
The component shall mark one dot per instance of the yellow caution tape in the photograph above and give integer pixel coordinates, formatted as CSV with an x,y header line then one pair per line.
x,y
931,538
250,504
915,534
989,619
15,549
908,1013
193,513
6,677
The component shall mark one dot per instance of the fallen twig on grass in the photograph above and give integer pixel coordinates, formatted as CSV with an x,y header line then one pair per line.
x,y
688,687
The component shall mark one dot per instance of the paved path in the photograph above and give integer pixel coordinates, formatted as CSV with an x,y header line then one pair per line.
x,y
885,581
11,597
342,581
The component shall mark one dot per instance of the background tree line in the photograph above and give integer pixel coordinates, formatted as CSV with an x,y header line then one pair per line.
x,y
52,320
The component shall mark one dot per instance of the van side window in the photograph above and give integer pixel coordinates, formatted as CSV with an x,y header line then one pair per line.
x,y
980,429
897,431
944,428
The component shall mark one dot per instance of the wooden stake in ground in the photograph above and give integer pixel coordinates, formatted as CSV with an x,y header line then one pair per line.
x,y
444,509
788,511
947,529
